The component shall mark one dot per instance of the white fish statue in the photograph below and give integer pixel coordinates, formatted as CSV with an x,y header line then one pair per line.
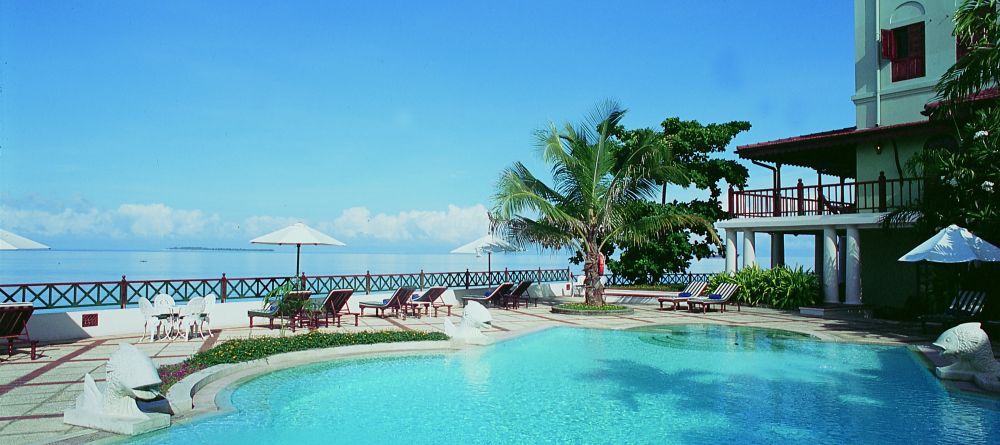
x,y
474,318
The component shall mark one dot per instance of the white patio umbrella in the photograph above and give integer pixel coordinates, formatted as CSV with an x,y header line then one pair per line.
x,y
953,244
10,241
297,234
487,244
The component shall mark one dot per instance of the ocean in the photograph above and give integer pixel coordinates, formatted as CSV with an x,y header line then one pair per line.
x,y
50,266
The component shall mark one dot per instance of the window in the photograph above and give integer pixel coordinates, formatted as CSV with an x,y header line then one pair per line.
x,y
963,44
903,47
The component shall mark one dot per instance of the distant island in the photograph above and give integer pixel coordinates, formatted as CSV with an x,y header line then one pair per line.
x,y
226,249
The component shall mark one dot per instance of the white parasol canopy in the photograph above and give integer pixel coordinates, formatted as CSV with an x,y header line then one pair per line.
x,y
487,244
10,241
297,234
953,244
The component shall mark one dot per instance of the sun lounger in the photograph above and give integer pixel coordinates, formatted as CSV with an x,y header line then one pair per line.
x,y
280,309
430,299
396,303
335,305
14,325
693,290
519,292
493,297
966,306
721,297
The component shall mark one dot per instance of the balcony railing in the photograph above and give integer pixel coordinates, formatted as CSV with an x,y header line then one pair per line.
x,y
126,292
881,195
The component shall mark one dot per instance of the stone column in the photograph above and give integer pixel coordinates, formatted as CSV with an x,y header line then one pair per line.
x,y
777,249
730,251
831,290
852,280
749,251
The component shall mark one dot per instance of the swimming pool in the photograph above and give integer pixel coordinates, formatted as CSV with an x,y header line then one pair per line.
x,y
667,384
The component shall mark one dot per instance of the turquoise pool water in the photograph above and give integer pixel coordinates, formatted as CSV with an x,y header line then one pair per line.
x,y
678,384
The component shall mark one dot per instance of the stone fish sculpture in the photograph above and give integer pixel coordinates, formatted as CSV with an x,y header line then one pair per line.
x,y
131,375
970,347
475,317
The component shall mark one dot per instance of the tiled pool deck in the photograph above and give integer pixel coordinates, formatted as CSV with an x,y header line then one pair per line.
x,y
33,394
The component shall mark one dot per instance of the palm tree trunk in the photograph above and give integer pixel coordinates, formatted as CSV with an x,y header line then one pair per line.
x,y
663,196
594,290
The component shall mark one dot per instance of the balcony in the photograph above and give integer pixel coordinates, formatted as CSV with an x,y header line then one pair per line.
x,y
881,195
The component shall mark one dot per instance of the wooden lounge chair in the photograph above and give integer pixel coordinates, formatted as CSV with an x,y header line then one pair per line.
x,y
277,309
693,290
14,325
965,307
397,303
721,297
519,292
430,299
335,305
493,297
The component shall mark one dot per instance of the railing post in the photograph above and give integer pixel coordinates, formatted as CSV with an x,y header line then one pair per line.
x,y
506,276
881,191
421,279
800,198
368,282
539,276
466,277
303,282
124,292
732,214
223,290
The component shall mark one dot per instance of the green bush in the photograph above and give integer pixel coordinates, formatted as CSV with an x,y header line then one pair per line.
x,y
778,287
247,349
662,287
591,307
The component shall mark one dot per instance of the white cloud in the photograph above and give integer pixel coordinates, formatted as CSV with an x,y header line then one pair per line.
x,y
141,220
158,220
453,225
65,222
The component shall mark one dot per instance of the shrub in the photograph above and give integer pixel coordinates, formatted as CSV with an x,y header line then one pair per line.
x,y
778,287
591,307
247,349
663,287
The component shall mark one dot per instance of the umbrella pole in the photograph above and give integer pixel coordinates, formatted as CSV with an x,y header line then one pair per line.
x,y
298,251
489,268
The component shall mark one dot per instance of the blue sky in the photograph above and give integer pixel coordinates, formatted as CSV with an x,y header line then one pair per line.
x,y
155,124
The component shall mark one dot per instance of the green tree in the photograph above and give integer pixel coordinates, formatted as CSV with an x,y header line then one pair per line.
x,y
596,179
695,163
977,26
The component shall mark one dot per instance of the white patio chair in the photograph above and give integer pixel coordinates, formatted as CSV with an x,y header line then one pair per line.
x,y
189,319
206,315
163,301
151,319
577,288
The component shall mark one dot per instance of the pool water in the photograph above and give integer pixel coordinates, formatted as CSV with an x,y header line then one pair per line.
x,y
667,384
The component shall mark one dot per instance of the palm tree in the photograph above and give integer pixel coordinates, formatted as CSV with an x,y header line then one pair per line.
x,y
977,26
596,177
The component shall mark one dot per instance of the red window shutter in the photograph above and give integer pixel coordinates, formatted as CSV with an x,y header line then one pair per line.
x,y
888,39
916,49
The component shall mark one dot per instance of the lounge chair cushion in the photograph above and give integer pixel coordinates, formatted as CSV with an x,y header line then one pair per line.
x,y
715,297
684,295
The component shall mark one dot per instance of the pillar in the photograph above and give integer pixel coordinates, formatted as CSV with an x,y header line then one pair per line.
x,y
831,289
730,251
818,255
852,279
777,249
749,251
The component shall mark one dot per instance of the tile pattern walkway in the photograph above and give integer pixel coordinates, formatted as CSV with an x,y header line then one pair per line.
x,y
33,394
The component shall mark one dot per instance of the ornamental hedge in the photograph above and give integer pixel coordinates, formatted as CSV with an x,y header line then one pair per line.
x,y
247,349
777,287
